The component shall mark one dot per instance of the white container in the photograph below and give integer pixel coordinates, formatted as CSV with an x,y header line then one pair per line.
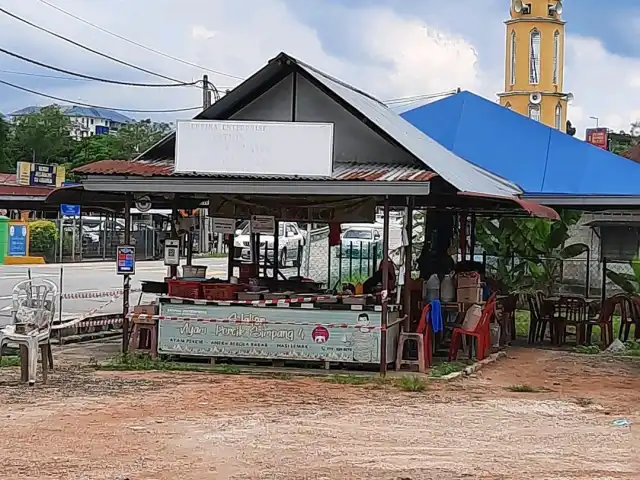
x,y
447,289
432,287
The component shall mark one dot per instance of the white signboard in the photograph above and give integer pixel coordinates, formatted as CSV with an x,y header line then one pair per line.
x,y
263,224
254,148
224,225
172,252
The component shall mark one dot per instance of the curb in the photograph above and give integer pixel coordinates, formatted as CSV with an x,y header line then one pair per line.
x,y
494,357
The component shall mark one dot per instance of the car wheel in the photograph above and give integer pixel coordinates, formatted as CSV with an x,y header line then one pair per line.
x,y
283,258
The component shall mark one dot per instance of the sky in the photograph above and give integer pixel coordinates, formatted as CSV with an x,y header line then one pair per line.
x,y
389,48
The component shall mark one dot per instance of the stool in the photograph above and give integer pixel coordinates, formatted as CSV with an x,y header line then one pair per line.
x,y
423,362
150,328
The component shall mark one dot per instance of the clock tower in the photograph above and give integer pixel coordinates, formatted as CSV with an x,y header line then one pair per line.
x,y
534,66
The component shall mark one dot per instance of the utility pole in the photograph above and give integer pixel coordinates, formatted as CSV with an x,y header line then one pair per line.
x,y
206,93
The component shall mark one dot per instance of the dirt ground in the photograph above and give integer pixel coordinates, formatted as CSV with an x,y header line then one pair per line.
x,y
194,426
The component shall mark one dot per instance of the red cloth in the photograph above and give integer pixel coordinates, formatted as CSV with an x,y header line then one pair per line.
x,y
334,234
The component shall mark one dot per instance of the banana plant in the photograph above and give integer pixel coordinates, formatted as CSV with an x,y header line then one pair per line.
x,y
528,252
630,283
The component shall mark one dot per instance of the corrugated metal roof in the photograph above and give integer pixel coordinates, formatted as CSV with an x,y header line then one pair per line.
x,y
458,172
343,171
79,111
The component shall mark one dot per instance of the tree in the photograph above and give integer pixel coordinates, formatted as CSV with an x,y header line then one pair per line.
x,y
97,147
570,128
136,137
42,137
7,165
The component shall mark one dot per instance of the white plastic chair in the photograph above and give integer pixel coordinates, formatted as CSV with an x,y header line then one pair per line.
x,y
34,306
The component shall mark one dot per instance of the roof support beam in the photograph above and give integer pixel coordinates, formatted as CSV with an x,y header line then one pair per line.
x,y
256,187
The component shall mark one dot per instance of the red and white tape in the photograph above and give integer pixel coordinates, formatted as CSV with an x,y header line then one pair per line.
x,y
101,322
83,317
111,293
280,301
250,322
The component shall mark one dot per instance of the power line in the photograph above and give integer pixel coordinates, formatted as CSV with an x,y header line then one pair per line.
x,y
84,47
158,52
58,77
73,102
40,75
90,77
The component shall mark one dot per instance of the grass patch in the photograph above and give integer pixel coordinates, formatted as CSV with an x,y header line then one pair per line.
x,y
633,348
10,361
411,384
523,389
146,363
445,368
346,379
587,349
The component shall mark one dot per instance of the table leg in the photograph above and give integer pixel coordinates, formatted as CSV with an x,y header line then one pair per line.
x,y
24,363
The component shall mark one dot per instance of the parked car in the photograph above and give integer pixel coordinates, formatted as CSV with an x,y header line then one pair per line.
x,y
290,242
361,240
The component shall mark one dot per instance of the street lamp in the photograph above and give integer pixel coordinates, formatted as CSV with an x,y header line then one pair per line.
x,y
597,121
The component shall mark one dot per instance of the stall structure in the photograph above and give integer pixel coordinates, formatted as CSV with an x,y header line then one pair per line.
x,y
293,144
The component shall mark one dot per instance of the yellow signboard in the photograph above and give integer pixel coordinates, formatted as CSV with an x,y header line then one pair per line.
x,y
40,174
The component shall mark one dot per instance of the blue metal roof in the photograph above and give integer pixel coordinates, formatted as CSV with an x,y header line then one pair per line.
x,y
540,159
77,111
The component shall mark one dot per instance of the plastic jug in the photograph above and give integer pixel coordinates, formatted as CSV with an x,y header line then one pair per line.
x,y
447,289
432,287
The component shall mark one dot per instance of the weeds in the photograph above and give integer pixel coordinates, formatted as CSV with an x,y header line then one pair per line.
x,y
411,384
10,361
584,402
587,349
127,362
447,368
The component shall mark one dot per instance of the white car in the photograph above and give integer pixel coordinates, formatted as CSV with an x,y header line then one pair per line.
x,y
290,242
361,241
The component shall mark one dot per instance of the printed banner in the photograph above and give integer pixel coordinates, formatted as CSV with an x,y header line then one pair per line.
x,y
357,343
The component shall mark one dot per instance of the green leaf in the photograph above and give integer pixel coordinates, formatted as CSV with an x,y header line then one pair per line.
x,y
629,287
572,251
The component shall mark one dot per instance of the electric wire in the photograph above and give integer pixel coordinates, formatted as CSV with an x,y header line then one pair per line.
x,y
84,47
82,104
91,77
157,52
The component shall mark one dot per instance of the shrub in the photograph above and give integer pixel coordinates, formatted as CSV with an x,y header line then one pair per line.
x,y
43,236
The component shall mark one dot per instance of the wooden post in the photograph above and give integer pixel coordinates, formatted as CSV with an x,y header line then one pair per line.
x,y
408,257
384,320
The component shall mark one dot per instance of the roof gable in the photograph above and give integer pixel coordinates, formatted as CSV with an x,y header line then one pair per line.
x,y
540,159
456,171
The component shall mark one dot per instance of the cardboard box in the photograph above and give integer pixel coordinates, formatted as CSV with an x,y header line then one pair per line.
x,y
469,294
151,309
468,280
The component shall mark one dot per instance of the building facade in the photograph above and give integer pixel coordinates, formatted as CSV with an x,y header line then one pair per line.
x,y
85,121
534,64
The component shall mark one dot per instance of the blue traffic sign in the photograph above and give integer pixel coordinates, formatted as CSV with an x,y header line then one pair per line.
x,y
70,210
18,241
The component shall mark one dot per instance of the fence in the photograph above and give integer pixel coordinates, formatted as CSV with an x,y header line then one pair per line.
x,y
573,275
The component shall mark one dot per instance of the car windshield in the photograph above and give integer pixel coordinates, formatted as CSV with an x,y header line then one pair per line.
x,y
358,234
245,230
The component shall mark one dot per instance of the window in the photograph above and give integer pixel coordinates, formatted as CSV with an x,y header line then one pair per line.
x,y
92,121
358,234
556,56
534,112
534,57
512,65
508,106
559,117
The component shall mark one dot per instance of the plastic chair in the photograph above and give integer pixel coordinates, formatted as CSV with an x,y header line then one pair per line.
x,y
481,333
421,336
33,312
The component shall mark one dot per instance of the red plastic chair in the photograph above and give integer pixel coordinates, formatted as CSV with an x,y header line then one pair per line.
x,y
481,332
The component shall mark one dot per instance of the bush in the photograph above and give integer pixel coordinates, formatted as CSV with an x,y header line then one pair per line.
x,y
43,237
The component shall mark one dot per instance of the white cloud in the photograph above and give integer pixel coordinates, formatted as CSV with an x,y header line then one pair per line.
x,y
402,55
